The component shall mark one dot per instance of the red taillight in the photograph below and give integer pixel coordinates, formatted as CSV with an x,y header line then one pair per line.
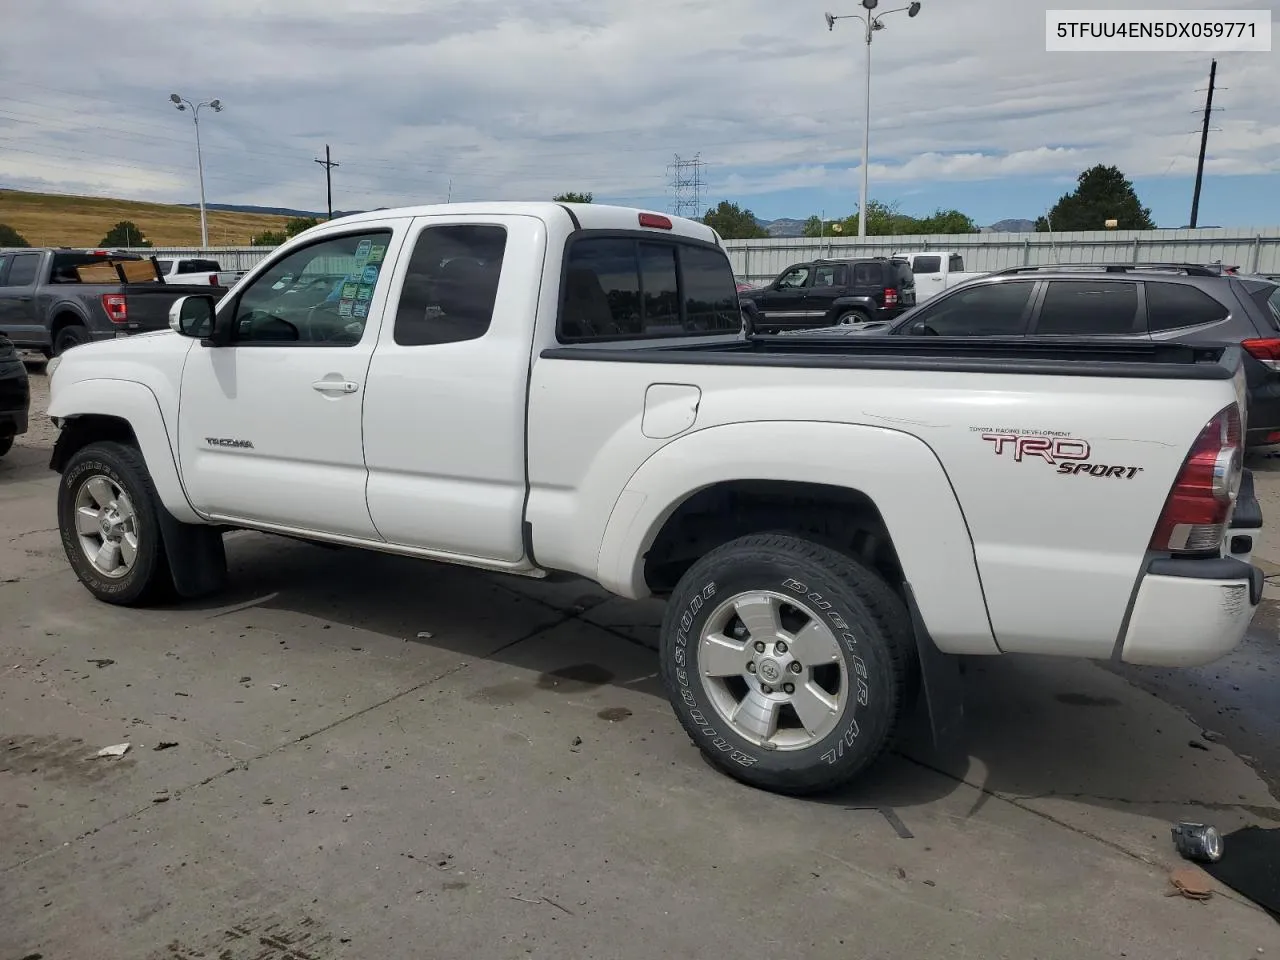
x,y
655,220
117,307
1195,515
1266,351
213,279
890,297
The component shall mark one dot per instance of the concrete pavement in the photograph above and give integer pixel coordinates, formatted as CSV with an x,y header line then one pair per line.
x,y
378,757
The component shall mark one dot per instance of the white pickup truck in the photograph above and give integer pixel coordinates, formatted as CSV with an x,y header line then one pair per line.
x,y
936,270
196,270
545,389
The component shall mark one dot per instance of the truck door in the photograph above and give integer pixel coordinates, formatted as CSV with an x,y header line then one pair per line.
x,y
444,414
930,277
270,425
18,300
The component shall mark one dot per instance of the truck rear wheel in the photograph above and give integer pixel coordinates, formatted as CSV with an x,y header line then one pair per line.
x,y
107,515
851,317
787,662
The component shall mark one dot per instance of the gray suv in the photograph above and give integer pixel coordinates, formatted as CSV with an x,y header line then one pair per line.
x,y
1176,302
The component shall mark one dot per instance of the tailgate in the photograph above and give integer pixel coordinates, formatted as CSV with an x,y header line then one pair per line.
x,y
148,303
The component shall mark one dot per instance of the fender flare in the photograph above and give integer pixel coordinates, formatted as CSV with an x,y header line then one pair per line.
x,y
137,405
899,472
68,306
864,304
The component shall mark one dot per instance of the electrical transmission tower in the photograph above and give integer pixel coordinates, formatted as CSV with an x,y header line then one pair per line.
x,y
686,183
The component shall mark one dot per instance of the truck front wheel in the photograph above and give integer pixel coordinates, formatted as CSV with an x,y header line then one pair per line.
x,y
787,662
107,515
69,336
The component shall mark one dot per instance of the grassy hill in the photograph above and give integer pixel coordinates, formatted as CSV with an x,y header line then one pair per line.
x,y
54,220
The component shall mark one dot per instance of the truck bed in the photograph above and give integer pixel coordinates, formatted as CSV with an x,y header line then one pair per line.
x,y
1078,358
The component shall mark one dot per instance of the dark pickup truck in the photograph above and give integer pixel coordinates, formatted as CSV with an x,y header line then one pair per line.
x,y
53,299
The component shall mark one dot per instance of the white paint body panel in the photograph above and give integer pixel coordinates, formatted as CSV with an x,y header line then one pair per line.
x,y
436,454
1178,622
929,285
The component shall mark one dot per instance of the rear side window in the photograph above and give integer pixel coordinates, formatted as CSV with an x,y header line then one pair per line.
x,y
826,275
927,265
198,266
618,288
1174,305
710,294
64,265
451,285
1088,308
956,263
23,269
165,265
4,262
867,275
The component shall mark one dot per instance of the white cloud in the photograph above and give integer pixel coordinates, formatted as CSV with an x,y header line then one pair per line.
x,y
522,98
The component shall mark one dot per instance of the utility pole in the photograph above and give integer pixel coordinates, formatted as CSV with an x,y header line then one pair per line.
x,y
328,177
1204,143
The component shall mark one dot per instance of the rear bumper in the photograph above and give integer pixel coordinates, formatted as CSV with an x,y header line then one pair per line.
x,y
1191,612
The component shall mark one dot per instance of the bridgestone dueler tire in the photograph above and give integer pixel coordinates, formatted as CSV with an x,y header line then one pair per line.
x,y
149,580
877,643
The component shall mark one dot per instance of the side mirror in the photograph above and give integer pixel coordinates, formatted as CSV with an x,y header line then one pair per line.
x,y
192,316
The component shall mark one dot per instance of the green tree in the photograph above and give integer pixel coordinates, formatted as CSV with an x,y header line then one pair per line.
x,y
297,224
268,238
1102,193
126,233
734,222
946,221
10,237
573,197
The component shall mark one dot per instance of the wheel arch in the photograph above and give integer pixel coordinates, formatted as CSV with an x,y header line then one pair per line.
x,y
879,494
124,411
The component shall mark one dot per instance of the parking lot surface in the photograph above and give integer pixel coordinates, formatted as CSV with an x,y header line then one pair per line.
x,y
356,755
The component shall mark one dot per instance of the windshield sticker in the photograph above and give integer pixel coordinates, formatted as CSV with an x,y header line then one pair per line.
x,y
377,252
344,308
370,275
362,253
361,309
364,293
349,290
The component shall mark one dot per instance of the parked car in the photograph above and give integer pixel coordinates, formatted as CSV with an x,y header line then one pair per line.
x,y
197,270
15,395
46,307
825,292
936,271
572,393
1188,303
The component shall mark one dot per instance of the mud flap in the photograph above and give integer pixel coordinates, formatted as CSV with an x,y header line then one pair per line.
x,y
943,686
196,555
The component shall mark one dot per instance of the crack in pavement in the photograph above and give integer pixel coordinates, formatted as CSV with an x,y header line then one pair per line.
x,y
245,764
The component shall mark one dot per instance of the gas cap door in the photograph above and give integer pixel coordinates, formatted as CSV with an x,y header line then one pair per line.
x,y
670,409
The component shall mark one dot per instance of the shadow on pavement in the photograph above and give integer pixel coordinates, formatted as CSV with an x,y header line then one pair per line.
x,y
1041,731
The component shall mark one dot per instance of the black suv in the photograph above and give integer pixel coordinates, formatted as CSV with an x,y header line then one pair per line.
x,y
825,292
1186,303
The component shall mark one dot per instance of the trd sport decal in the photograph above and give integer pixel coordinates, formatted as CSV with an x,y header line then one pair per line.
x,y
1068,454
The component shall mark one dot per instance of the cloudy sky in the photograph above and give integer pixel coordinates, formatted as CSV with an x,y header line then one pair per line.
x,y
520,99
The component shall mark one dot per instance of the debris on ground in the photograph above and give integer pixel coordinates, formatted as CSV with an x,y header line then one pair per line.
x,y
1213,736
1250,866
1191,883
1196,745
165,745
575,743
424,635
101,662
246,679
277,686
117,750
1197,841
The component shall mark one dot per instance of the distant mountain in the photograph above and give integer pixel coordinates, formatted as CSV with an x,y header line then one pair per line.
x,y
271,211
1011,226
783,227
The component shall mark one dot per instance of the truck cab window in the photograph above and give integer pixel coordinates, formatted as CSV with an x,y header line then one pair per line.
x,y
927,265
955,263
23,270
710,294
318,295
451,285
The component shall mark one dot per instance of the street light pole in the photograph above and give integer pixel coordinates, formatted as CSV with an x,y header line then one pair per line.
x,y
871,23
216,105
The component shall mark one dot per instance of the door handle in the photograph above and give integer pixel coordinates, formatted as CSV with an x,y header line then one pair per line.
x,y
335,386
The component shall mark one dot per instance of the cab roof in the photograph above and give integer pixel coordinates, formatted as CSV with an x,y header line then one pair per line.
x,y
588,216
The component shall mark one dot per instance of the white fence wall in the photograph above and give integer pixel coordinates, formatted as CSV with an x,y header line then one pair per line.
x,y
1256,250
1253,249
